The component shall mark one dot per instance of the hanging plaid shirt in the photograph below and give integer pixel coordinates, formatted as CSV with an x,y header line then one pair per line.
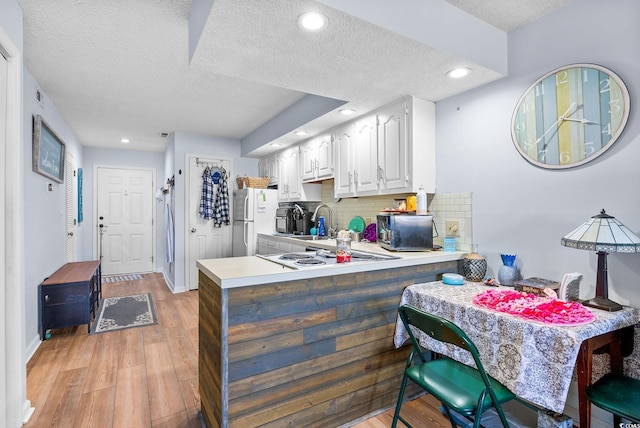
x,y
206,201
221,205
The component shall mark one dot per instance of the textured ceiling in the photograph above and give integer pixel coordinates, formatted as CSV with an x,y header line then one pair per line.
x,y
121,68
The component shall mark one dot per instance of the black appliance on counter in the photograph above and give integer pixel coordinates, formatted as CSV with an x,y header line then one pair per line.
x,y
302,222
284,220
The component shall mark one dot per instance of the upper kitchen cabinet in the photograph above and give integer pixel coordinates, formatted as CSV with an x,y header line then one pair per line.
x,y
290,186
268,167
391,150
316,158
356,158
407,147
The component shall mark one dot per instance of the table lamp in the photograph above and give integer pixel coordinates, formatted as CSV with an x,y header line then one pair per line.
x,y
604,234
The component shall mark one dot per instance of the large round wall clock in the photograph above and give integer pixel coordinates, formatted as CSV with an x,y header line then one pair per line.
x,y
570,116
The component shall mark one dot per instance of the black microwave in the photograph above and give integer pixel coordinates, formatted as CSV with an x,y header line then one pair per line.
x,y
404,232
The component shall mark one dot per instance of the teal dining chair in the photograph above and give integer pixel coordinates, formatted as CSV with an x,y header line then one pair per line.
x,y
618,394
459,387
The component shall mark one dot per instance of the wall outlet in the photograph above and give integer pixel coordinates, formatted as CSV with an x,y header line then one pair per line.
x,y
453,227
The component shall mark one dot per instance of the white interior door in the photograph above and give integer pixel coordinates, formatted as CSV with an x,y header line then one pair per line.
x,y
70,187
125,220
204,240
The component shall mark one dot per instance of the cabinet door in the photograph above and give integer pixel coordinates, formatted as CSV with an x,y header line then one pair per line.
x,y
294,178
308,160
262,167
392,147
289,181
366,155
344,141
272,169
282,177
324,156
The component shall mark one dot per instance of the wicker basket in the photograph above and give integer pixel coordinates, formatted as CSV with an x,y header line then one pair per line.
x,y
257,182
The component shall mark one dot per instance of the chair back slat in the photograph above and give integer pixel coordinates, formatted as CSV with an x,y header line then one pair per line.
x,y
442,330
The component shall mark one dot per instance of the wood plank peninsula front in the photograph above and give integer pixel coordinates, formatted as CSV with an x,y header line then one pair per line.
x,y
284,347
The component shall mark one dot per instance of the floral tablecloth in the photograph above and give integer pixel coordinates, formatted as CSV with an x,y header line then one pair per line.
x,y
535,361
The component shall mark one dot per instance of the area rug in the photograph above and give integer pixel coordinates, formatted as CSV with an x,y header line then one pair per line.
x,y
120,278
118,313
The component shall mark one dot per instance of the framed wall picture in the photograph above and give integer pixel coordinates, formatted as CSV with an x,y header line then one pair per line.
x,y
48,151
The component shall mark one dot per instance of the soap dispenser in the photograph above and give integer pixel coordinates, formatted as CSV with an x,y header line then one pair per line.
x,y
321,229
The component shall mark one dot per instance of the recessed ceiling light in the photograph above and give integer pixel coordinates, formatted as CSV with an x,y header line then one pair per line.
x,y
301,133
347,111
275,145
312,21
457,73
125,140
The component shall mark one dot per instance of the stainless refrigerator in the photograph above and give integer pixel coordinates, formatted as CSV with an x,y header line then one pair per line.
x,y
254,211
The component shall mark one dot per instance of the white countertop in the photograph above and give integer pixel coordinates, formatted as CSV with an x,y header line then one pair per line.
x,y
233,272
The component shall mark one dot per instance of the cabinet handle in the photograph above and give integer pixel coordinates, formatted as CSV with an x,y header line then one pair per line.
x,y
46,298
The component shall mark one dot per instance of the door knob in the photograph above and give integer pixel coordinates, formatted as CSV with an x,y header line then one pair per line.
x,y
193,229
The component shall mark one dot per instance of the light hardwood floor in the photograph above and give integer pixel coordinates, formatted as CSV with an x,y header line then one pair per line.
x,y
141,377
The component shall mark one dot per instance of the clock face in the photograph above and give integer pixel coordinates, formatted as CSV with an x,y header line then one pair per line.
x,y
570,116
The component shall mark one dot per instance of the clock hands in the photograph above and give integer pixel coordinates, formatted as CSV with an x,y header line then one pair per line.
x,y
561,118
583,121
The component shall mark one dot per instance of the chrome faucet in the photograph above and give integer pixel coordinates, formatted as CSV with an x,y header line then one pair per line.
x,y
330,229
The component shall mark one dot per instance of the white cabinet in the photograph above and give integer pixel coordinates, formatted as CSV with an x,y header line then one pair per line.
x,y
365,174
268,245
343,182
391,150
316,158
393,143
268,167
290,186
420,147
356,158
288,175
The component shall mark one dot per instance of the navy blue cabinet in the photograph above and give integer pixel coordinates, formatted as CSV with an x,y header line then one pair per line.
x,y
70,296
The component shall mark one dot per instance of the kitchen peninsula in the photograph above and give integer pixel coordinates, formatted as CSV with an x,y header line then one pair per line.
x,y
308,347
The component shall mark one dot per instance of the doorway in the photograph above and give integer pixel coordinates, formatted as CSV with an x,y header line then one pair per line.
x,y
204,241
14,406
125,218
71,220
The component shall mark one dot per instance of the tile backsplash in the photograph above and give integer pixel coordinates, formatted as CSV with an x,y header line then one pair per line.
x,y
443,207
453,206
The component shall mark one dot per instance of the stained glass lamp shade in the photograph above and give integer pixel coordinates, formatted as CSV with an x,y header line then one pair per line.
x,y
604,234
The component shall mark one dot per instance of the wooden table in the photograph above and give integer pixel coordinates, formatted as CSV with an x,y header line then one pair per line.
x,y
70,296
535,361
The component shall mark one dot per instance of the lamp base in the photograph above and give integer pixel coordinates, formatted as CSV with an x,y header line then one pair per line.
x,y
602,303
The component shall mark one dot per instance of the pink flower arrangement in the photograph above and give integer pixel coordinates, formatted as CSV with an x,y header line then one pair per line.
x,y
530,306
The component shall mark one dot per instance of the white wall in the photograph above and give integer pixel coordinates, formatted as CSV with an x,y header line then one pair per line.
x,y
193,144
44,211
169,162
520,208
123,159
